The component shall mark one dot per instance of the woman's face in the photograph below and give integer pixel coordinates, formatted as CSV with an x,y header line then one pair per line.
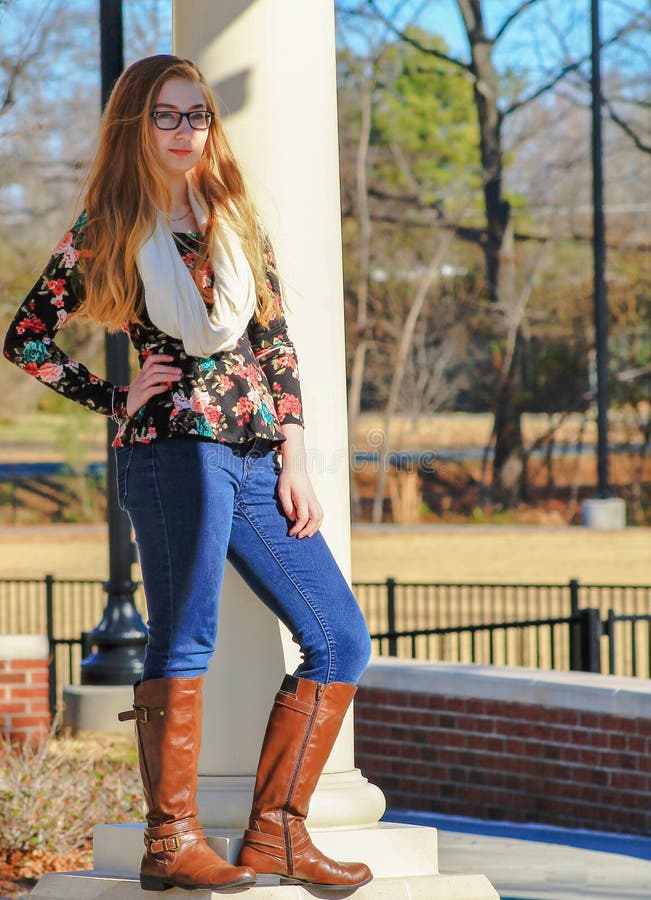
x,y
179,149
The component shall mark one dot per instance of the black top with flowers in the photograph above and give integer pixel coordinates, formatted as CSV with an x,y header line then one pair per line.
x,y
232,396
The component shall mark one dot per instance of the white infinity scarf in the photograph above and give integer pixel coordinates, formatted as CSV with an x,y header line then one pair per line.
x,y
173,300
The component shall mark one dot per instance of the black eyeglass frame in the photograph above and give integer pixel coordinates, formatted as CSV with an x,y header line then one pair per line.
x,y
183,115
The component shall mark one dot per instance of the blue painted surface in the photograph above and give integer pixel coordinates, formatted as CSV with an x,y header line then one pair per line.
x,y
9,471
604,842
423,458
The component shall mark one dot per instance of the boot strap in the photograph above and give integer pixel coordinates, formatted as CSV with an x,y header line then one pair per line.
x,y
266,842
170,843
263,840
140,713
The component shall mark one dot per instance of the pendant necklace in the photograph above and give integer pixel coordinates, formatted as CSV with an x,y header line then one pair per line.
x,y
179,218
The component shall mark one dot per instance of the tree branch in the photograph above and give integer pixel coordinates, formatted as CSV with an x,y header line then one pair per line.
x,y
570,67
397,32
630,101
622,123
545,88
24,57
632,374
626,128
511,18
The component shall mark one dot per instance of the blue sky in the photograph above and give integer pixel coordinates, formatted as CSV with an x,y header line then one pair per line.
x,y
544,36
571,17
537,33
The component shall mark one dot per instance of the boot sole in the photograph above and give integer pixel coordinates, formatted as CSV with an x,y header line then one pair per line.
x,y
325,887
150,883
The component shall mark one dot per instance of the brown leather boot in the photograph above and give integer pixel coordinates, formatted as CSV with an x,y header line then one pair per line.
x,y
303,725
167,713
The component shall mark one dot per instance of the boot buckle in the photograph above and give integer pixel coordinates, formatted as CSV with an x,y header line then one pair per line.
x,y
139,713
163,845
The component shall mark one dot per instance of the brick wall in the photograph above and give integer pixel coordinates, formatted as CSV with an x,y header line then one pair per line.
x,y
24,708
527,760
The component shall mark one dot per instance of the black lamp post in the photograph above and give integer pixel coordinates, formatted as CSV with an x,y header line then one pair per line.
x,y
599,260
121,635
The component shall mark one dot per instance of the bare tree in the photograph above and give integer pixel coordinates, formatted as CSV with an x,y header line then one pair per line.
x,y
493,109
362,319
49,112
399,365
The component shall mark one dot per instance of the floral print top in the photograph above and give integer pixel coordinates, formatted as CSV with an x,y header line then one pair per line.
x,y
232,396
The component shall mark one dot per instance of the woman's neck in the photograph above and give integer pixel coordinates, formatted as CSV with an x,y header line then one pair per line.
x,y
181,217
179,191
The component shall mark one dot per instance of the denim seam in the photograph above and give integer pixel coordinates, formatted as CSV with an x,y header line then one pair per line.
x,y
126,476
332,659
122,501
168,555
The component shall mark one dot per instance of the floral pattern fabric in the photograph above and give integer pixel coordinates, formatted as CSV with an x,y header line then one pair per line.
x,y
232,396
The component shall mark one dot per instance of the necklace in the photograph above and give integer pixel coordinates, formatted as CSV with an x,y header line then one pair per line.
x,y
179,218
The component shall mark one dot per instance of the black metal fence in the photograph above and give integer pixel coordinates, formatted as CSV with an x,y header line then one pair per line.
x,y
63,609
572,626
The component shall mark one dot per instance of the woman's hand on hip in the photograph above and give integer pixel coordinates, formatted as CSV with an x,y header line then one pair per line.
x,y
155,377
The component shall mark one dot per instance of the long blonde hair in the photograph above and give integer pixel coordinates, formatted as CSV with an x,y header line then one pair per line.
x,y
126,187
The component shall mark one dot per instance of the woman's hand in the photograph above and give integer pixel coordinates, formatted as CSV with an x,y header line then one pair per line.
x,y
295,491
155,377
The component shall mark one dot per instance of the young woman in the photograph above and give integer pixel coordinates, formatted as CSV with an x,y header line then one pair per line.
x,y
211,463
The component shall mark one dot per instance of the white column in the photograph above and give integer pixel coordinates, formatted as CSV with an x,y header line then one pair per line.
x,y
272,65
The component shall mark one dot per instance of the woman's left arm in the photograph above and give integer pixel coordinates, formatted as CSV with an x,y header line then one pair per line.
x,y
277,357
275,352
295,490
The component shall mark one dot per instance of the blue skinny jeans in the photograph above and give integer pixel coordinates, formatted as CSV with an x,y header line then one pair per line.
x,y
195,503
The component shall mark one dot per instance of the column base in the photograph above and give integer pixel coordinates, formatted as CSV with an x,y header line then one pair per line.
x,y
403,859
389,849
98,886
95,707
341,799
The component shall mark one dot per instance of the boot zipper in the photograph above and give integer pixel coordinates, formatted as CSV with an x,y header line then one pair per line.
x,y
320,688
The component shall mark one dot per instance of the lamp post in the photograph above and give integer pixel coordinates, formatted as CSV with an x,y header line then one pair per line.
x,y
602,512
121,635
599,259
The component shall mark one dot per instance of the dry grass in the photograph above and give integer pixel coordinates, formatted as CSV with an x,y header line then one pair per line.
x,y
37,436
457,429
503,554
466,553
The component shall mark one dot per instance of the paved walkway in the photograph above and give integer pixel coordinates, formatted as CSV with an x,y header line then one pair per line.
x,y
550,864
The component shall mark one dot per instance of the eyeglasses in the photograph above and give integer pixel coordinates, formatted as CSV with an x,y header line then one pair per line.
x,y
169,120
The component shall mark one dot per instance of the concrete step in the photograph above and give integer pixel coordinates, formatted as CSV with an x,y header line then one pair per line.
x,y
97,886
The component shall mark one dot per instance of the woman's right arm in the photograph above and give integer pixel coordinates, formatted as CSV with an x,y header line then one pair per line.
x,y
30,344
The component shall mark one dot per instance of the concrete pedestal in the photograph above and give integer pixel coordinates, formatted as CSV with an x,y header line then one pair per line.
x,y
605,514
89,707
402,858
95,886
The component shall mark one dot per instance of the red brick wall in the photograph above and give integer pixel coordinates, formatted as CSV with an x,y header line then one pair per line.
x,y
24,709
493,759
